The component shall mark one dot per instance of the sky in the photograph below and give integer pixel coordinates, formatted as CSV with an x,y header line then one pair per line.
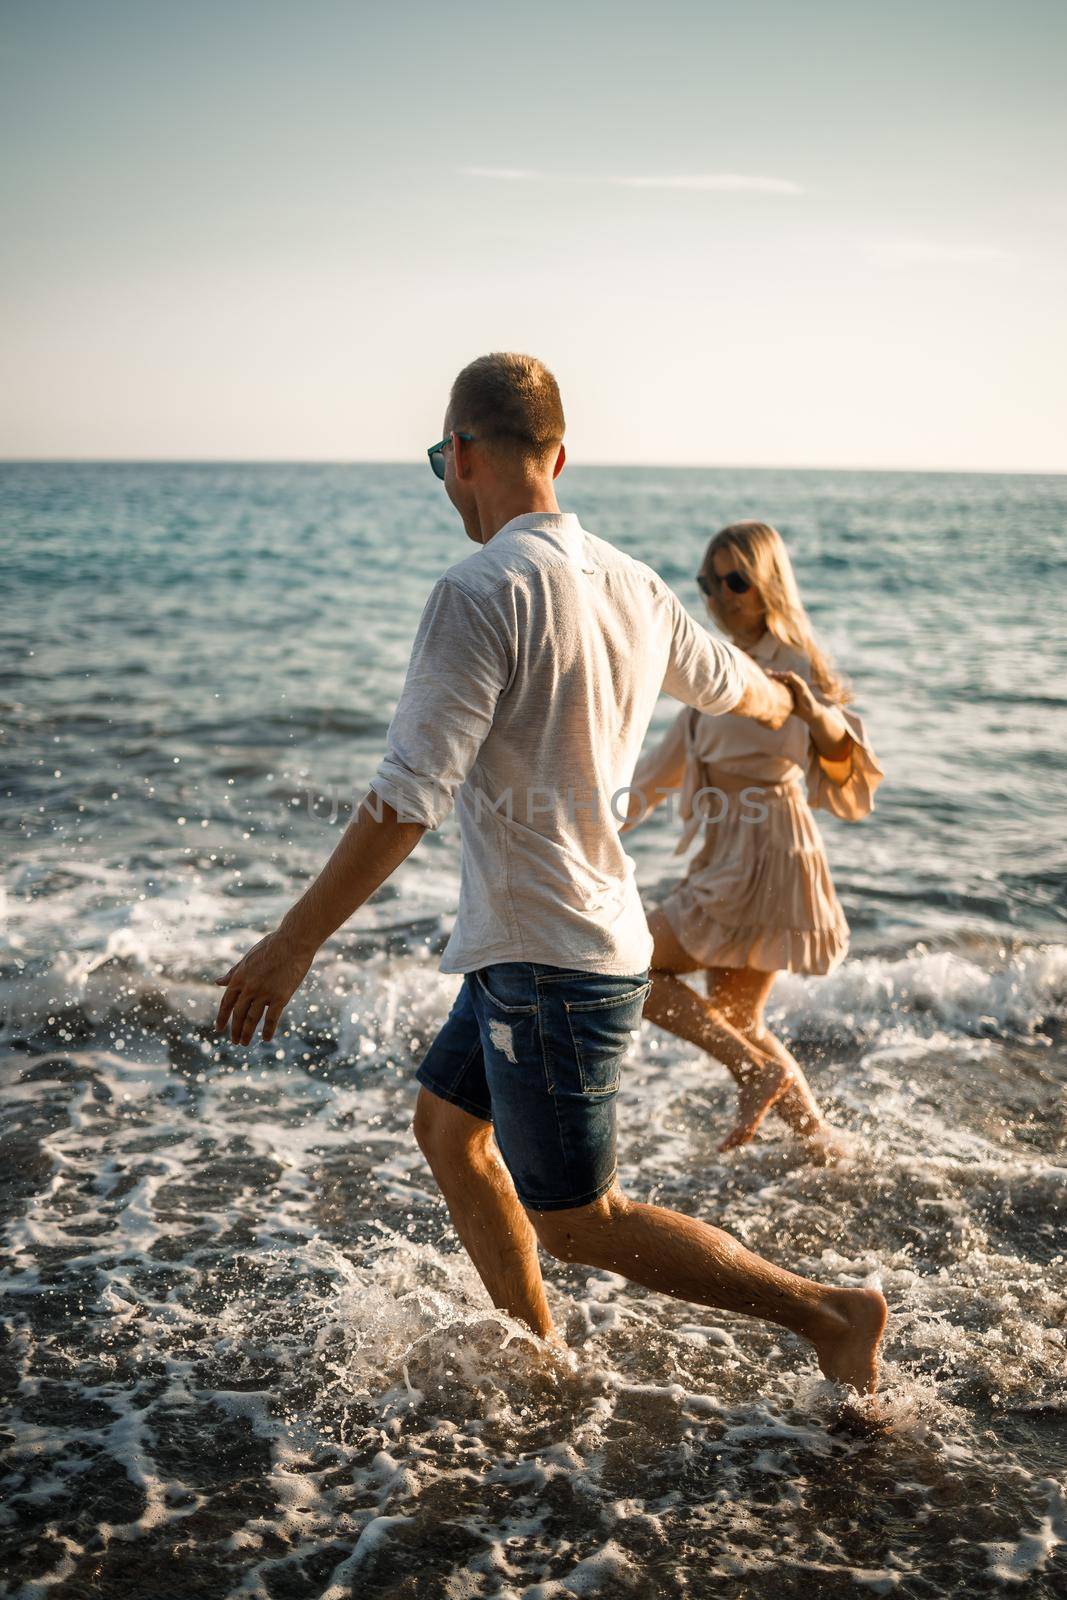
x,y
752,234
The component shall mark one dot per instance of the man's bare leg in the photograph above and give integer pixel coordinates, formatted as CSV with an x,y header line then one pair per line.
x,y
485,1209
692,1260
762,1079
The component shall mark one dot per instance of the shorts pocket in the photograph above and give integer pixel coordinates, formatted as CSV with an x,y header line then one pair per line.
x,y
504,1006
602,1032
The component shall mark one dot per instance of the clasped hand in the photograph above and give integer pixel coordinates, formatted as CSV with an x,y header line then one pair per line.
x,y
805,706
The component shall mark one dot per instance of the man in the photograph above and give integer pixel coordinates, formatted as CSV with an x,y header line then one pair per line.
x,y
534,673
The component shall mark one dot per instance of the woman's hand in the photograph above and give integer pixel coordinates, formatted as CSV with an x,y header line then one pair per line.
x,y
263,981
637,809
805,705
829,731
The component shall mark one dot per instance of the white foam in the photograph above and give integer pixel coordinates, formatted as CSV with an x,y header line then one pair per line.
x,y
380,1332
1015,1562
1012,989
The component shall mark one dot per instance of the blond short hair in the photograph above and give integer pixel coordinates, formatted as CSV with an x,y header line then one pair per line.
x,y
509,398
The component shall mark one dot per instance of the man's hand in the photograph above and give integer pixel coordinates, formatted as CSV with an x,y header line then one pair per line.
x,y
370,848
261,985
830,733
765,699
805,705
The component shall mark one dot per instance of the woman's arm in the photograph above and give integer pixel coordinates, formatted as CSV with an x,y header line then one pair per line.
x,y
843,771
659,772
829,730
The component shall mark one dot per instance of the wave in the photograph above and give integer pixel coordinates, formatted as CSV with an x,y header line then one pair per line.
x,y
166,952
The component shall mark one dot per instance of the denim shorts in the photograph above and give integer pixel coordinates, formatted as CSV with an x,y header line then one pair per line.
x,y
538,1052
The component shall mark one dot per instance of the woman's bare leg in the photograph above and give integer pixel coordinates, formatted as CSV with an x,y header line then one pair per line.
x,y
739,995
762,1079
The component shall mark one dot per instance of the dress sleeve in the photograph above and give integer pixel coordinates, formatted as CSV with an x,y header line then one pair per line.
x,y
846,787
656,766
659,765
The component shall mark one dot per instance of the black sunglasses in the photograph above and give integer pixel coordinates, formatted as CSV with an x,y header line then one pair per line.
x,y
436,452
733,581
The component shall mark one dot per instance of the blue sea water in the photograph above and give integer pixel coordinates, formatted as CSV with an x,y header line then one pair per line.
x,y
242,1353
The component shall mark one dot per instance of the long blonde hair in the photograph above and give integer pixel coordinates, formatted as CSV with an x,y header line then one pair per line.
x,y
763,559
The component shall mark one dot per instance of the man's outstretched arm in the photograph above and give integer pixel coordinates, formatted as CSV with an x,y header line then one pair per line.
x,y
265,980
457,670
762,698
717,677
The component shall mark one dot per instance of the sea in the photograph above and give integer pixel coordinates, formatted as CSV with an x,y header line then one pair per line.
x,y
243,1356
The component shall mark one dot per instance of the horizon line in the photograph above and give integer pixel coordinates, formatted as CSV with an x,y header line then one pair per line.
x,y
612,466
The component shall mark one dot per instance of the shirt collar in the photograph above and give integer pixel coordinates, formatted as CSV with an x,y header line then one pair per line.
x,y
562,525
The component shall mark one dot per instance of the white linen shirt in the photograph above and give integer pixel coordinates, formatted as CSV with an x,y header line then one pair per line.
x,y
534,674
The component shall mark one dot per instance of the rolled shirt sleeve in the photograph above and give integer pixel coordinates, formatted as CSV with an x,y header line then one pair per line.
x,y
458,669
703,671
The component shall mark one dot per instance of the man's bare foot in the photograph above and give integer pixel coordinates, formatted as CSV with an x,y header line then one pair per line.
x,y
847,1348
549,1336
756,1095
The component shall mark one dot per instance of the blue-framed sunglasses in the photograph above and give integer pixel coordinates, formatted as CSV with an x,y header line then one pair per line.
x,y
436,452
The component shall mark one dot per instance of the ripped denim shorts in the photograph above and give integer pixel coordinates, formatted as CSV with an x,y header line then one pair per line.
x,y
538,1052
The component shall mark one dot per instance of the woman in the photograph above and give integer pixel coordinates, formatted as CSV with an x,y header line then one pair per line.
x,y
758,897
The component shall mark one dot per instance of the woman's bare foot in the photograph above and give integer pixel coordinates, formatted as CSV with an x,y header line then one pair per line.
x,y
757,1092
798,1107
847,1346
826,1145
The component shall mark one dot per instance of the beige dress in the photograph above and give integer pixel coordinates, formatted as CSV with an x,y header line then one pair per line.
x,y
758,893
